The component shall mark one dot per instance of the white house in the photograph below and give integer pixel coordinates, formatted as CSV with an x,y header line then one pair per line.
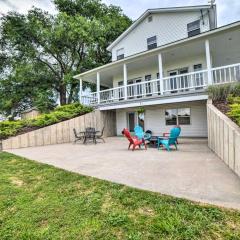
x,y
164,63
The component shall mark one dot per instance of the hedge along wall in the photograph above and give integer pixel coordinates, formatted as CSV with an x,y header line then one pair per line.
x,y
224,137
63,132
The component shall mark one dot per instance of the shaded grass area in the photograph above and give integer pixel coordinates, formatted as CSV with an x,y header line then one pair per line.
x,y
38,201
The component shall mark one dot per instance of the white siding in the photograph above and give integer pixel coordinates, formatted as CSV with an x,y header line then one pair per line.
x,y
155,119
168,27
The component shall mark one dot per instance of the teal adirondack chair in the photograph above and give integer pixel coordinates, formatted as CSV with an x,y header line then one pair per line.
x,y
140,134
171,140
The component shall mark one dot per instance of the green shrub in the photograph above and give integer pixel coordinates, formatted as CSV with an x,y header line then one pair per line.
x,y
61,113
221,92
10,128
234,112
231,99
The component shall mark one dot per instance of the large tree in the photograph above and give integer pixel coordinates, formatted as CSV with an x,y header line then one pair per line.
x,y
44,51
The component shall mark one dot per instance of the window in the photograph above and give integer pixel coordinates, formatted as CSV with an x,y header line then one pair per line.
x,y
171,116
120,90
184,116
198,76
197,67
152,42
193,28
150,19
148,87
120,53
180,116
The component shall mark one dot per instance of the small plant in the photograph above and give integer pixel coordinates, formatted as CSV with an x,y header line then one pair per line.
x,y
140,110
234,104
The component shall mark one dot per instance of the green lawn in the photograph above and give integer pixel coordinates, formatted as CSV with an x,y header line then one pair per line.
x,y
38,201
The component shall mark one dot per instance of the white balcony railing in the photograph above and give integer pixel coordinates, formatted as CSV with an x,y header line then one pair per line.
x,y
188,82
185,82
226,74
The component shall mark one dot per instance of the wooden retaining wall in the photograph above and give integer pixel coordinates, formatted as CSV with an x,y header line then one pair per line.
x,y
63,132
224,137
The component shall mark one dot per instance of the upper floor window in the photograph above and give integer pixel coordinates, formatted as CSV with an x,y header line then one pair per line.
x,y
152,42
120,53
193,28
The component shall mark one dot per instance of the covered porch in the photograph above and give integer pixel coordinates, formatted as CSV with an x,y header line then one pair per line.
x,y
187,66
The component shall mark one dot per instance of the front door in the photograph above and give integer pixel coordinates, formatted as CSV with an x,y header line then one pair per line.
x,y
131,121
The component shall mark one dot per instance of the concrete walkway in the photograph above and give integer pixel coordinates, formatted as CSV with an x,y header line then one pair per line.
x,y
192,172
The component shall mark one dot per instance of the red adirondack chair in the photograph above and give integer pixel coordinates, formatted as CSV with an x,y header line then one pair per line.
x,y
133,140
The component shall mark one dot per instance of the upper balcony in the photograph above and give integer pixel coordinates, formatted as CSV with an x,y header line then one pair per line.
x,y
182,70
194,82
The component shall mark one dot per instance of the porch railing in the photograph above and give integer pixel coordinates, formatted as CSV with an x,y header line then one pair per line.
x,y
113,94
226,74
185,82
188,82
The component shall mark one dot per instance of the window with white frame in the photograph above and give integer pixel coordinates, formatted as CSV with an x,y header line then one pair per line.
x,y
178,116
193,28
152,42
120,53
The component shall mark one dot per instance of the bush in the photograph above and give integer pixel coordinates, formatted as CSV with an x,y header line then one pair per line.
x,y
61,113
10,128
234,104
221,92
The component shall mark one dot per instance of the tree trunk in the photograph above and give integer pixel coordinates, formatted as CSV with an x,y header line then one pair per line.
x,y
73,88
63,93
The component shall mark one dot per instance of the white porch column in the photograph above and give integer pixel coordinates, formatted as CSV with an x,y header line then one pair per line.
x,y
98,87
80,90
125,80
208,61
160,69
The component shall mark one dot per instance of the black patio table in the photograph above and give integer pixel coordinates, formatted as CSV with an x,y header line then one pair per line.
x,y
154,139
89,133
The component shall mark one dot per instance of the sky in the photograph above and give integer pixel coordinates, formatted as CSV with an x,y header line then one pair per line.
x,y
228,10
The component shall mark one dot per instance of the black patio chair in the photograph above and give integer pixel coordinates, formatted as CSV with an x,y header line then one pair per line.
x,y
78,137
100,135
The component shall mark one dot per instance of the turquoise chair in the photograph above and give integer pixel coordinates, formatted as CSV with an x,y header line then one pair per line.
x,y
171,140
140,134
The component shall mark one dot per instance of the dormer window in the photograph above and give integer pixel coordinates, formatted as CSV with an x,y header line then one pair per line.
x,y
193,28
120,53
152,42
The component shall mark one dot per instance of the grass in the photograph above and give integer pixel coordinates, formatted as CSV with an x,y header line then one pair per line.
x,y
38,201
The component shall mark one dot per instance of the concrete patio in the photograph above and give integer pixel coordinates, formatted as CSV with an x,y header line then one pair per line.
x,y
192,172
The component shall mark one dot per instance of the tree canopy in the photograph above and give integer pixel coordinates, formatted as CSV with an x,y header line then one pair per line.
x,y
40,53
